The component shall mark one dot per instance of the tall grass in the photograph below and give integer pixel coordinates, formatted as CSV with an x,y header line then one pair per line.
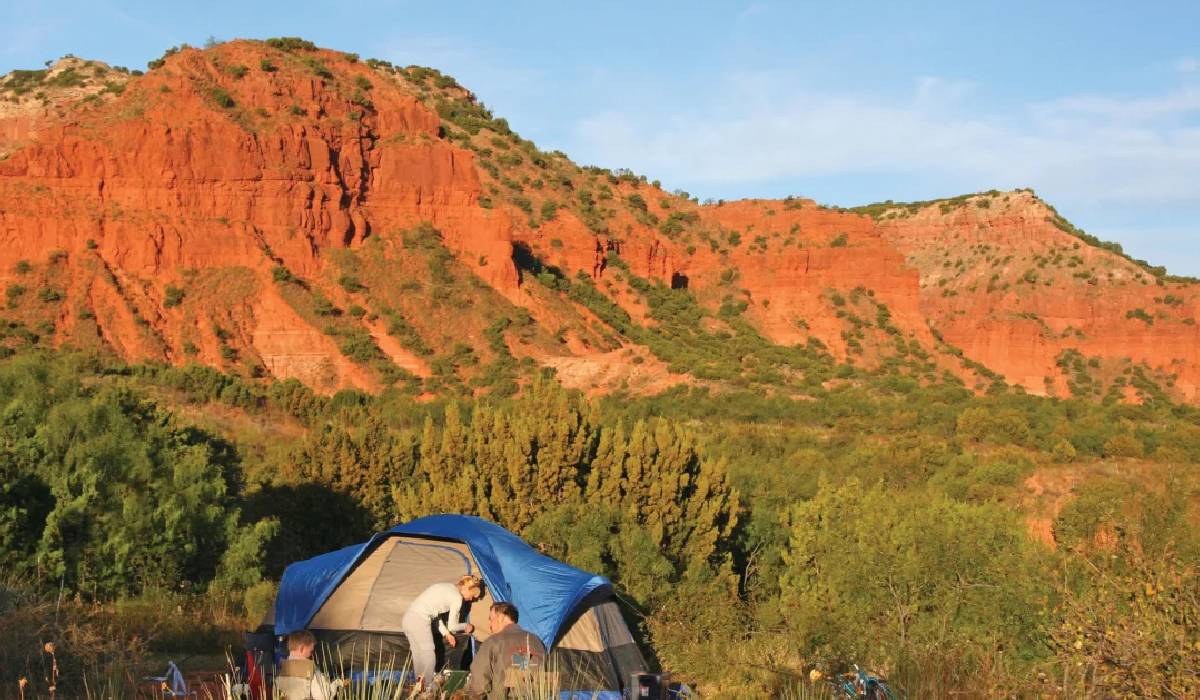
x,y
67,647
63,647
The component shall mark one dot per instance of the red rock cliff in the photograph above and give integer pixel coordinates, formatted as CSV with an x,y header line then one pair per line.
x,y
220,168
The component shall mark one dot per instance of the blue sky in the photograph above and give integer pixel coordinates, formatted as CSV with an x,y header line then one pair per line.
x,y
1094,104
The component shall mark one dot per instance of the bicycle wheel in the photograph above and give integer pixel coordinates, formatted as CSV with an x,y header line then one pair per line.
x,y
842,688
879,690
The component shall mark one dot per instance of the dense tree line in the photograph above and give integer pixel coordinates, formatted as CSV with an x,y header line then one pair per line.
x,y
754,536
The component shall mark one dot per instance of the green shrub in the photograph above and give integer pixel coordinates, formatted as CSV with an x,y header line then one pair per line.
x,y
13,292
324,307
864,553
840,241
222,97
360,347
1095,505
318,67
291,43
675,224
1141,315
1130,631
282,275
360,99
156,490
1123,445
1063,452
351,283
161,61
172,297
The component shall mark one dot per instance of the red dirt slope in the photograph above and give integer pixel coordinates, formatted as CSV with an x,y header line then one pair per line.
x,y
252,206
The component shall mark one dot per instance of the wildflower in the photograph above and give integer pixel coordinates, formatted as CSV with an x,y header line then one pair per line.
x,y
48,647
815,676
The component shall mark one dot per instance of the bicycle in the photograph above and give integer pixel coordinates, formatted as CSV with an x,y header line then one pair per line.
x,y
860,685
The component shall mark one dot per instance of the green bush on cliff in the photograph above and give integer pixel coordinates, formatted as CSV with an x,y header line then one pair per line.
x,y
222,98
291,43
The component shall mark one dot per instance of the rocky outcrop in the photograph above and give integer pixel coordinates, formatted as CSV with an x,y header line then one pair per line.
x,y
160,213
212,162
1014,290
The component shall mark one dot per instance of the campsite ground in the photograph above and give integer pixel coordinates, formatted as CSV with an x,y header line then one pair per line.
x,y
105,650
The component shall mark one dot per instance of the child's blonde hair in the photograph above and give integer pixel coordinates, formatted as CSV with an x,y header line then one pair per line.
x,y
471,582
298,640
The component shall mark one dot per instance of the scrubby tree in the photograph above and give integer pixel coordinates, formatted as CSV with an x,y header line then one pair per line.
x,y
127,497
897,580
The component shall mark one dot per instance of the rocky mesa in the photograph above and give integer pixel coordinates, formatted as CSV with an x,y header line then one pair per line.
x,y
276,209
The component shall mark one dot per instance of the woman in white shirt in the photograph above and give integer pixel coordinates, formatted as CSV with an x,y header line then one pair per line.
x,y
438,599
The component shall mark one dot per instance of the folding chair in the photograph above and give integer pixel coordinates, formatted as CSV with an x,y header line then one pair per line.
x,y
172,684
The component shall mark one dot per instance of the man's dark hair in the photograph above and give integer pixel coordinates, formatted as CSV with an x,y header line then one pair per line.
x,y
506,609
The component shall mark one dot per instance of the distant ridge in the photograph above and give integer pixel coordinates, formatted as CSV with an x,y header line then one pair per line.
x,y
277,209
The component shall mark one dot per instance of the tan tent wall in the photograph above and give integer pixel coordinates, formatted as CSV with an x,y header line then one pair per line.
x,y
375,596
597,650
584,635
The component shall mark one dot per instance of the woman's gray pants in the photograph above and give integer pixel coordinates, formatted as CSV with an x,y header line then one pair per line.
x,y
419,631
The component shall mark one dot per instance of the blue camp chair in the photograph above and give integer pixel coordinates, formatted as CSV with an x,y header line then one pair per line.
x,y
175,685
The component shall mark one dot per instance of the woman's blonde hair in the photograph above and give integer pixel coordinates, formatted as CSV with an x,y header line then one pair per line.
x,y
471,582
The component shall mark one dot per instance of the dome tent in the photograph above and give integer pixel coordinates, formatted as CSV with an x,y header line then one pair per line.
x,y
361,593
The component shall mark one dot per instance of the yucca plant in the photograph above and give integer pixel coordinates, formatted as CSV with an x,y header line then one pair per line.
x,y
540,684
376,678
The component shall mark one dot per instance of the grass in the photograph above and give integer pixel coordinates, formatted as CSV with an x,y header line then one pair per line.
x,y
805,691
94,649
62,647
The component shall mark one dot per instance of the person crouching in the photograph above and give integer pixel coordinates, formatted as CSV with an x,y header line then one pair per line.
x,y
437,600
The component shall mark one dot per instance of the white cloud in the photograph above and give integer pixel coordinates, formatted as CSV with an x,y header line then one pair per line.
x,y
1091,149
932,90
751,11
1179,103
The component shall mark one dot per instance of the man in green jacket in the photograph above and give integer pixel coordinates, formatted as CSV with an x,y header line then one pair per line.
x,y
509,649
